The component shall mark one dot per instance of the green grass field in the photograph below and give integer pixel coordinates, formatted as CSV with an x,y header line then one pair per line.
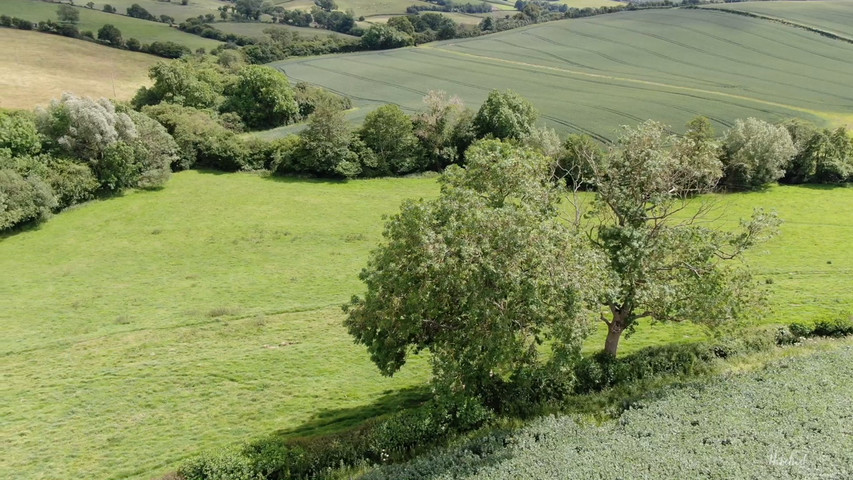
x,y
143,329
172,8
834,16
592,74
38,68
142,30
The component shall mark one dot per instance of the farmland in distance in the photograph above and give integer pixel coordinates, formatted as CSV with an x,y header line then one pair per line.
x,y
590,75
834,16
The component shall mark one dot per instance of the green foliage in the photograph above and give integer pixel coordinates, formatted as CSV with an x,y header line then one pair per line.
x,y
388,132
202,140
326,145
505,115
382,37
67,14
660,265
23,199
444,128
123,149
71,182
755,153
262,97
309,97
481,277
196,81
18,133
112,35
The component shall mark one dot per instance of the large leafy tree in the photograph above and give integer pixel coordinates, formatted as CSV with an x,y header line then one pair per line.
x,y
505,115
666,261
483,276
262,97
388,132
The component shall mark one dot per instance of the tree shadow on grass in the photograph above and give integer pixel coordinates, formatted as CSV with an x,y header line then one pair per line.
x,y
339,419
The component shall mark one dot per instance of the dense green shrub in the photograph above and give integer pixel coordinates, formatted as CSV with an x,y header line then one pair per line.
x,y
202,140
262,97
71,182
18,133
23,199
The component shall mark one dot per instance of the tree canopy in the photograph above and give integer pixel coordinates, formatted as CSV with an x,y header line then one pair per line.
x,y
481,276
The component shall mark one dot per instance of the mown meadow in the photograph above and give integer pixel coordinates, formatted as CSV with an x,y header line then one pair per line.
x,y
588,75
143,329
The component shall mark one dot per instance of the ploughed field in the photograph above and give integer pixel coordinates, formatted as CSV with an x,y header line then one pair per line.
x,y
590,75
144,329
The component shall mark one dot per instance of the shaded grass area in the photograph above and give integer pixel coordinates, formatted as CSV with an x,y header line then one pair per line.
x,y
143,329
589,75
38,68
92,20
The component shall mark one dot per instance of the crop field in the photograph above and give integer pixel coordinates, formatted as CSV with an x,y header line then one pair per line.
x,y
789,420
37,68
142,30
834,16
143,329
590,75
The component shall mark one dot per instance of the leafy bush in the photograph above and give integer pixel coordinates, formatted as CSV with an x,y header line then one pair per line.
x,y
23,199
262,97
755,153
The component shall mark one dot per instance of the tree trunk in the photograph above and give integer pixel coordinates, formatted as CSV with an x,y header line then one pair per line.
x,y
614,333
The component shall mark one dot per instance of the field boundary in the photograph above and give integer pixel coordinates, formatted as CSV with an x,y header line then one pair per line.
x,y
782,21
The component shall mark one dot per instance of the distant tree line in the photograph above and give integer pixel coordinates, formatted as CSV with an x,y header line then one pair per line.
x,y
108,35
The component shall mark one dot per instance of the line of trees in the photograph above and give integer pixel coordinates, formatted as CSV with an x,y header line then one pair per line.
x,y
202,104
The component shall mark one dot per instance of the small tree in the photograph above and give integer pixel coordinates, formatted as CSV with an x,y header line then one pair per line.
x,y
388,132
67,14
325,145
109,8
505,115
482,276
110,34
665,260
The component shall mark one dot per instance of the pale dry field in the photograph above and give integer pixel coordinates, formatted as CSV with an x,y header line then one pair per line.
x,y
38,67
